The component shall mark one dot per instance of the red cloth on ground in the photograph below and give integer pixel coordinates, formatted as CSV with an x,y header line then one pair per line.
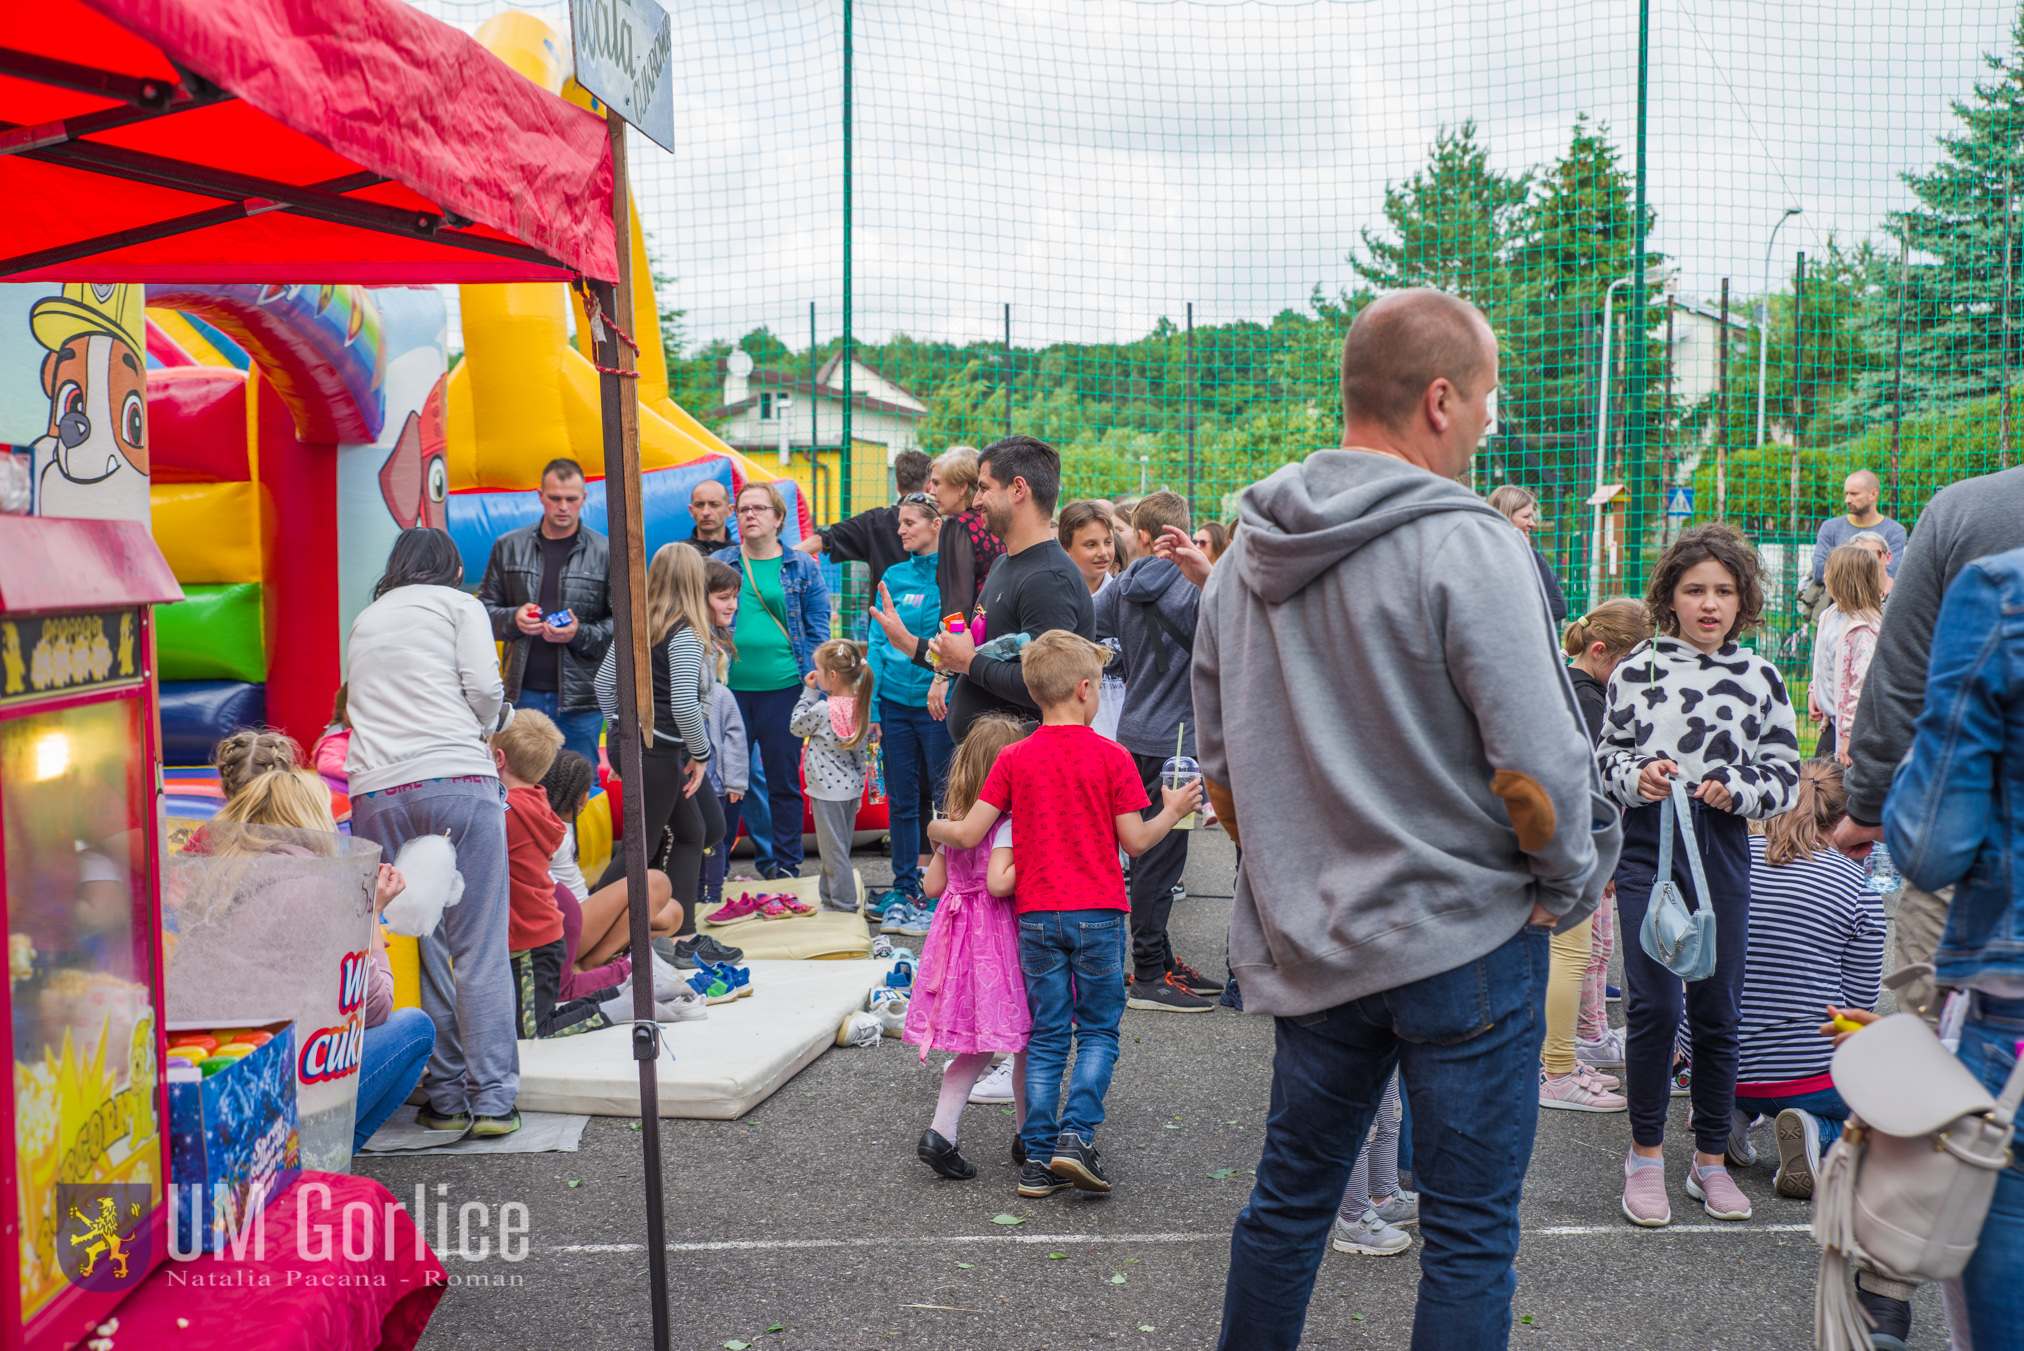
x,y
533,830
306,1292
1065,786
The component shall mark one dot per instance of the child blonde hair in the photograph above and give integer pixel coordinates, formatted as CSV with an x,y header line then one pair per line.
x,y
250,752
846,659
1619,625
529,743
971,764
1056,662
1854,579
1818,804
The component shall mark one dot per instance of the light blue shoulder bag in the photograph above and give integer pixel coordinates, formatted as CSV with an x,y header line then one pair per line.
x,y
1679,939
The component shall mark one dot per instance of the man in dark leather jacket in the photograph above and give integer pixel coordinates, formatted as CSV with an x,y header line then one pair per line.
x,y
556,564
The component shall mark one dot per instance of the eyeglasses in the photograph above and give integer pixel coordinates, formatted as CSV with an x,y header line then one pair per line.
x,y
756,509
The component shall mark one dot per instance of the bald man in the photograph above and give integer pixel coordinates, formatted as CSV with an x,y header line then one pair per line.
x,y
1859,493
1385,727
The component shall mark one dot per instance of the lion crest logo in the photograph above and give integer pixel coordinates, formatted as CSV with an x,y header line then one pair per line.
x,y
103,1237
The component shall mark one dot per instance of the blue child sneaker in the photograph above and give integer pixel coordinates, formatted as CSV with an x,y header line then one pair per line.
x,y
897,916
877,906
712,984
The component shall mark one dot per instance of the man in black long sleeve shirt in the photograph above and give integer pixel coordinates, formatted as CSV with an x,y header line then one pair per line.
x,y
873,537
1032,589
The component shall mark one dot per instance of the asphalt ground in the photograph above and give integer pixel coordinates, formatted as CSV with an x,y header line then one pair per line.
x,y
809,1223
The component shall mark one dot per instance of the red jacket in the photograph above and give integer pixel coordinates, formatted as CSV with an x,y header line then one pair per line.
x,y
533,830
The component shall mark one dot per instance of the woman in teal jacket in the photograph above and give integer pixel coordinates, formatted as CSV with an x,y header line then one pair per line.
x,y
915,744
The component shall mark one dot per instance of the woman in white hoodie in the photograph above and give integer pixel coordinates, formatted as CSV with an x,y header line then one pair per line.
x,y
425,695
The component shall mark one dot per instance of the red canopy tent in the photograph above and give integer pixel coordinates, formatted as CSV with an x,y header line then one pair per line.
x,y
286,141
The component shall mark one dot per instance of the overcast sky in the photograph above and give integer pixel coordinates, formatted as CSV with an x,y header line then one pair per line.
x,y
1099,165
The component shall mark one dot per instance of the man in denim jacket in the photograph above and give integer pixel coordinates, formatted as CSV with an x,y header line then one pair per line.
x,y
1953,817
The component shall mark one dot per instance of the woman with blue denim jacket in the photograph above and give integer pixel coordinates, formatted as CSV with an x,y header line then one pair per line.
x,y
1953,818
783,616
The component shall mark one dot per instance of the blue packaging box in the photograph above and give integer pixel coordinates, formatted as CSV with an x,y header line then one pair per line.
x,y
232,1141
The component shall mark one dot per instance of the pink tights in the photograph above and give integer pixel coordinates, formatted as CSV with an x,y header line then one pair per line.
x,y
1594,1017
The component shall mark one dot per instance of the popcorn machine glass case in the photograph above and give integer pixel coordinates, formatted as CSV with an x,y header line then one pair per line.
x,y
83,1124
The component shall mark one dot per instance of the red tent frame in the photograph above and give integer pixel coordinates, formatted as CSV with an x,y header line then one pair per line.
x,y
286,141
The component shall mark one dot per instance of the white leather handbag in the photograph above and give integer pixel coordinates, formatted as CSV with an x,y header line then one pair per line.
x,y
1904,1191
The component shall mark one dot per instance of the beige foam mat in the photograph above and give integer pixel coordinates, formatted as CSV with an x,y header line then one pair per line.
x,y
822,935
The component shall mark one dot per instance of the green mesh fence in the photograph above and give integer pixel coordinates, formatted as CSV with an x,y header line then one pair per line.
x,y
1138,230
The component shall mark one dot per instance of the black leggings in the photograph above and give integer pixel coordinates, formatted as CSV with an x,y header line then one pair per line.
x,y
696,821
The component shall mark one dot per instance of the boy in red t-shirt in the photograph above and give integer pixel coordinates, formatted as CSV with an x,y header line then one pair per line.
x,y
523,751
1075,798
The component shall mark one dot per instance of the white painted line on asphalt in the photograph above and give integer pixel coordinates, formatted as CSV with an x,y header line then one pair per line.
x,y
1221,1236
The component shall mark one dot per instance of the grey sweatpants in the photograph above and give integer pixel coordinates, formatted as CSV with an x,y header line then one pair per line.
x,y
467,974
834,822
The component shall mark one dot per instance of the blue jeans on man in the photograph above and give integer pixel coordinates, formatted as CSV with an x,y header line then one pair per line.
x,y
580,727
1073,961
1995,1298
917,748
1466,1043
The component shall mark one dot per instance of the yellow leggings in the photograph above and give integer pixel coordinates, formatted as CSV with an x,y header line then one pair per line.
x,y
1569,962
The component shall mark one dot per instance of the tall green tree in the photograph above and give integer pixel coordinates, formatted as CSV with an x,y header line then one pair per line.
x,y
1964,239
1452,225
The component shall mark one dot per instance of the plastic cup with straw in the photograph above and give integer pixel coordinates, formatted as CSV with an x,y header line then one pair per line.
x,y
1179,772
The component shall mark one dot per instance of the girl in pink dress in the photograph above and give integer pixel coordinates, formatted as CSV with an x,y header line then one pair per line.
x,y
970,997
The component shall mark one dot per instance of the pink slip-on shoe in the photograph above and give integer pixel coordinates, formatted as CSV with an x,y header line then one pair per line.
x,y
1644,1192
745,906
1717,1192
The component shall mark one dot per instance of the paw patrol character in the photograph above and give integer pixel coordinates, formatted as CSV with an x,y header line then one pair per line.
x,y
415,480
94,461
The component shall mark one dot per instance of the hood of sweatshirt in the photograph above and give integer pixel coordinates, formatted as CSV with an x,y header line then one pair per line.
x,y
1148,578
1309,516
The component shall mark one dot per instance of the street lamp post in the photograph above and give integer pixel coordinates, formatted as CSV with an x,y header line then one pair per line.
x,y
1654,276
1764,320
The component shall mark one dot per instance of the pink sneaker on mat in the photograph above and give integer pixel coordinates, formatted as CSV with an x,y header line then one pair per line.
x,y
774,907
795,905
1644,1192
745,906
1717,1192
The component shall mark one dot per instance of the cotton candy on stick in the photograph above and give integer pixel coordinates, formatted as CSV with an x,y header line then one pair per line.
x,y
429,866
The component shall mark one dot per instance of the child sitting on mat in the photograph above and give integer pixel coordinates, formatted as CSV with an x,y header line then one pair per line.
x,y
970,997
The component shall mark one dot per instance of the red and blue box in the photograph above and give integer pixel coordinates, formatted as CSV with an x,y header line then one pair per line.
x,y
233,1145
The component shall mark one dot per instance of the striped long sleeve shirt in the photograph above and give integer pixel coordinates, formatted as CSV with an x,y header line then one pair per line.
x,y
1816,938
678,709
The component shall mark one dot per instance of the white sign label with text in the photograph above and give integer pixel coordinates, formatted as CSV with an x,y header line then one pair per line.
x,y
624,51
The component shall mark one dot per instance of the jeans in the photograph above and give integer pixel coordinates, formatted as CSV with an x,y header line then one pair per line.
x,y
580,727
467,981
766,714
1466,1045
1151,888
917,750
758,820
1652,994
1995,1297
388,1069
1072,961
1825,1105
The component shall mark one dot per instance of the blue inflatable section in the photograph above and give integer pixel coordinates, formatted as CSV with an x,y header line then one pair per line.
x,y
476,519
198,714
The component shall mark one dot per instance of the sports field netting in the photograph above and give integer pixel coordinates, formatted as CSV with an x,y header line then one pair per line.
x,y
1138,230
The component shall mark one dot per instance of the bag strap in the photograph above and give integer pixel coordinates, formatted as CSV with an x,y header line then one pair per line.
x,y
1665,841
1685,810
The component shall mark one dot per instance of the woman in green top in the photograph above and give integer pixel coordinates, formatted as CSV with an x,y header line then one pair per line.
x,y
783,615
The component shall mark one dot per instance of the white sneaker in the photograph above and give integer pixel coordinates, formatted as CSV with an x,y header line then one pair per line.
x,y
686,1007
1604,1053
668,982
860,1029
995,1086
891,1013
1370,1236
1798,1135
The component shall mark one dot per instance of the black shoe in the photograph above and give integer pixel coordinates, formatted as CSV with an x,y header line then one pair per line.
x,y
944,1157
1019,1149
1036,1179
1233,998
1193,981
1079,1162
1168,995
703,948
668,951
429,1119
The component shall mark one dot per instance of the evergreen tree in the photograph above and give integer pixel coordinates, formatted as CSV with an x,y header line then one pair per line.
x,y
1963,237
1452,224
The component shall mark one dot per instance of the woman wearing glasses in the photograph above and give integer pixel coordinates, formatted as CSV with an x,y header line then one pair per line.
x,y
783,616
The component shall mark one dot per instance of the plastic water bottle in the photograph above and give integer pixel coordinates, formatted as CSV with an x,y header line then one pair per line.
x,y
878,774
1179,772
1884,878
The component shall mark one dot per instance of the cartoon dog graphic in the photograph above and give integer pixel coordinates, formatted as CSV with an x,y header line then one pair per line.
x,y
94,461
415,480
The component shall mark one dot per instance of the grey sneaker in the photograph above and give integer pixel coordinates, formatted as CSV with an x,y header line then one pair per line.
x,y
1401,1210
1741,1153
1798,1135
1369,1235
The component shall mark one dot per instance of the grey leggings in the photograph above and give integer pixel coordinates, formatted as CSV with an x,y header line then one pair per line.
x,y
1377,1163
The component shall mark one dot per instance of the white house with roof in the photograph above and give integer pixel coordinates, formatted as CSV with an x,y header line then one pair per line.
x,y
756,403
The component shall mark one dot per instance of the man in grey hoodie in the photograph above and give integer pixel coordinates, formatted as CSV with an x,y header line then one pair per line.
x,y
1150,610
1386,728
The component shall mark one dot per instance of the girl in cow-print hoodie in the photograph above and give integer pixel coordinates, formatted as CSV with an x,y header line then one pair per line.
x,y
1691,704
